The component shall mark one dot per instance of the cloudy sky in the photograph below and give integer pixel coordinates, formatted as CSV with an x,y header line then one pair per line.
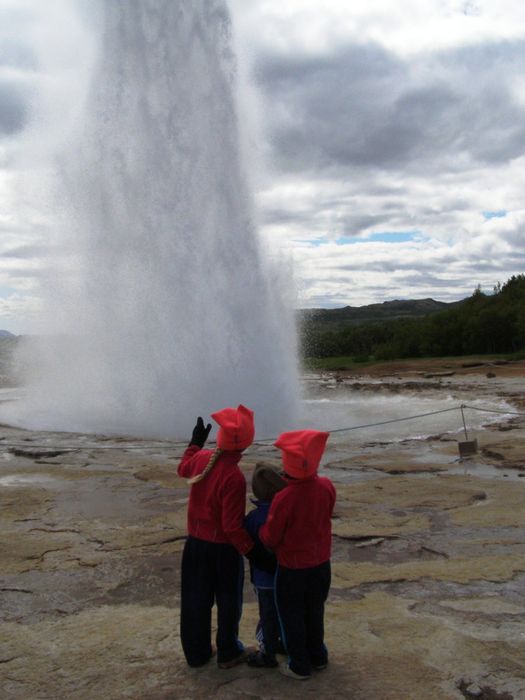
x,y
388,140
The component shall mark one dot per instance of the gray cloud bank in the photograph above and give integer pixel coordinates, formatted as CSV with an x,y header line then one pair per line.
x,y
16,61
364,107
366,140
13,109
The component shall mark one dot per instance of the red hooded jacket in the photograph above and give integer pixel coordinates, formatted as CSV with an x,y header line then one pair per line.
x,y
299,525
218,502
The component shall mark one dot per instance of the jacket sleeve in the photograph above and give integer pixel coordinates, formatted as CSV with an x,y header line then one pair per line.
x,y
250,523
191,461
272,532
232,516
334,496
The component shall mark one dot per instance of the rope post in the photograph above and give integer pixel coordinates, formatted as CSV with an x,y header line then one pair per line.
x,y
463,417
468,447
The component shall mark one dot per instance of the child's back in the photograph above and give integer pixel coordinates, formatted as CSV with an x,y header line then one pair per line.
x,y
212,567
299,527
299,530
266,482
253,523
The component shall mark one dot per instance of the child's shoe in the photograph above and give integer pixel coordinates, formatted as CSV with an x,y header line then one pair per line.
x,y
238,659
287,671
260,660
320,667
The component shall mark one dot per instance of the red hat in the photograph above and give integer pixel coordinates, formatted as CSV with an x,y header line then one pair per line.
x,y
236,428
301,451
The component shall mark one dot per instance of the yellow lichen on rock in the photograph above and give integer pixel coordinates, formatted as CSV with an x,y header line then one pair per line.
x,y
503,507
409,653
130,646
356,522
441,491
460,570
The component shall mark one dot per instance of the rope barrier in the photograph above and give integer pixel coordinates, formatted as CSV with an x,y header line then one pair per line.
x,y
169,444
494,410
395,420
419,415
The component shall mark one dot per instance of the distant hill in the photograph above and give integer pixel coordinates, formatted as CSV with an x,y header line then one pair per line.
x,y
481,324
6,334
386,311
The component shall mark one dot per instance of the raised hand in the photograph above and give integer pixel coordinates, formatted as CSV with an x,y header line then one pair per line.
x,y
200,433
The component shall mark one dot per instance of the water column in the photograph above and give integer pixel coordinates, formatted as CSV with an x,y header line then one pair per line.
x,y
167,308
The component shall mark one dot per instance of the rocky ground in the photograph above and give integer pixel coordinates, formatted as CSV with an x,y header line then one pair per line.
x,y
428,594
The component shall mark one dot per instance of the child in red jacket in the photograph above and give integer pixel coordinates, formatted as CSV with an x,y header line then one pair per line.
x,y
212,565
299,530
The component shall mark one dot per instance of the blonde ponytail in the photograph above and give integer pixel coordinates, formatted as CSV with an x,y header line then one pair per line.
x,y
199,477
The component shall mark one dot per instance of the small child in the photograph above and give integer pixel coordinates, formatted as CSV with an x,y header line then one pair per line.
x,y
266,482
212,566
299,530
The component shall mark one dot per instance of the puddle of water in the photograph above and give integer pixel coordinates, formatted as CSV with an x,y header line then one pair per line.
x,y
485,471
29,480
352,476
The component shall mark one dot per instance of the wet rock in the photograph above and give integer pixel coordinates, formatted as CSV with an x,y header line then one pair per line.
x,y
439,375
372,542
503,507
36,453
492,454
474,690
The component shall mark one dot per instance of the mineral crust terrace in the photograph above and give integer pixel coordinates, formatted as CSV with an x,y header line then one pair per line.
x,y
428,592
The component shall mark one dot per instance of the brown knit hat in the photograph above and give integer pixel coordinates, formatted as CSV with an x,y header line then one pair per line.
x,y
266,481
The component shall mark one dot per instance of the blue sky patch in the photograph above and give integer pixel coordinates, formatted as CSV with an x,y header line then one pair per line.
x,y
498,214
393,236
7,291
381,237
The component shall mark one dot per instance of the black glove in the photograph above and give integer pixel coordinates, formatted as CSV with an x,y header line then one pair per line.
x,y
262,559
200,433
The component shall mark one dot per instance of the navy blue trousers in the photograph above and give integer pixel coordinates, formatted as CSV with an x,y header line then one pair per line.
x,y
268,629
300,595
211,573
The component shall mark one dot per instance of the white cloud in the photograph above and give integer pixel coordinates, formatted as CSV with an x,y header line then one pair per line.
x,y
383,116
337,275
407,27
368,116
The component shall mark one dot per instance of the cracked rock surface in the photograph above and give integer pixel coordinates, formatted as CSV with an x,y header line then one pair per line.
x,y
428,591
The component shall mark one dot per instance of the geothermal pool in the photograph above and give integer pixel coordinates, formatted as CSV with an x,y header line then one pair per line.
x,y
350,409
342,408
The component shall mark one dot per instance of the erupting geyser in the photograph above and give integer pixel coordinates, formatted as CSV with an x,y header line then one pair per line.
x,y
167,309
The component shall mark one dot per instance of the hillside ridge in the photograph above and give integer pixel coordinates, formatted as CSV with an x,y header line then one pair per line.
x,y
386,310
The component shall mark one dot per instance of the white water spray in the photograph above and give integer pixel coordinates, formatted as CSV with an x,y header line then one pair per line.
x,y
167,308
